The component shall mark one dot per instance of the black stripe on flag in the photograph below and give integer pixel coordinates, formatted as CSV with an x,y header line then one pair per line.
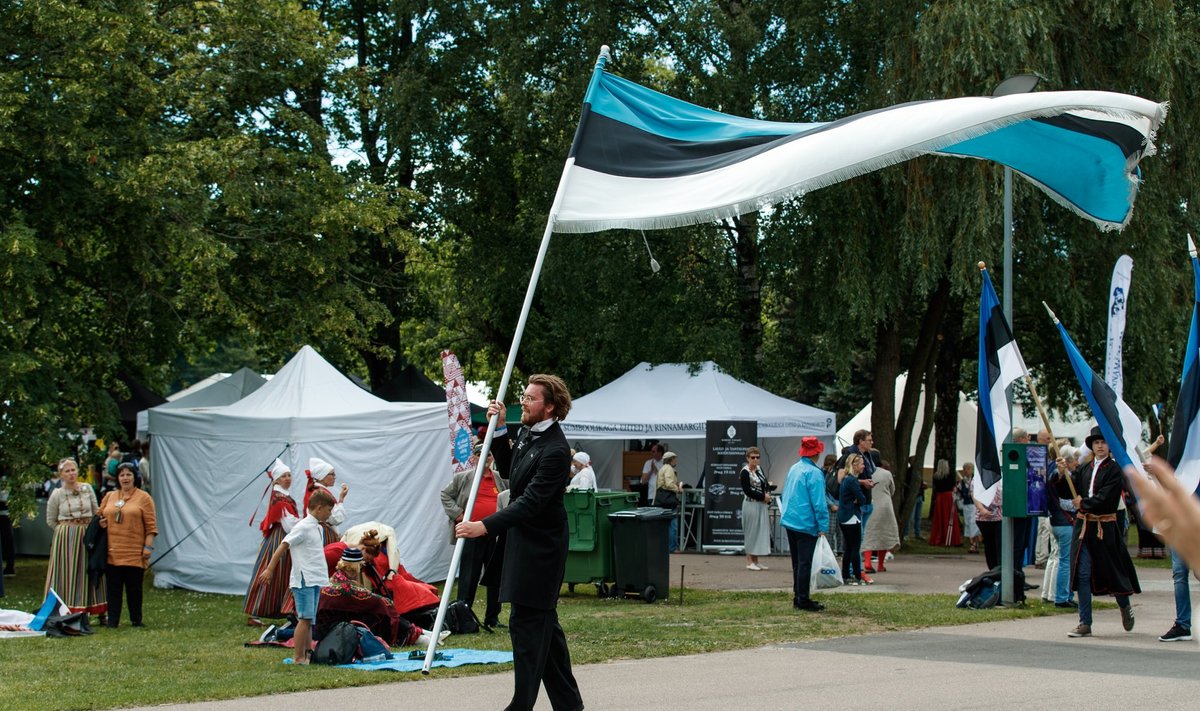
x,y
1186,407
1123,136
996,336
1106,400
986,458
616,148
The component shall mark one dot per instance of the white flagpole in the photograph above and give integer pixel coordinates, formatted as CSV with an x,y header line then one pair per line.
x,y
491,430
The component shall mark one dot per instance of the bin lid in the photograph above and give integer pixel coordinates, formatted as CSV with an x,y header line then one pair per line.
x,y
644,513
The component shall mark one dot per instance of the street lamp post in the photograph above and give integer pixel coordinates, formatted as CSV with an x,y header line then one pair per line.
x,y
1019,84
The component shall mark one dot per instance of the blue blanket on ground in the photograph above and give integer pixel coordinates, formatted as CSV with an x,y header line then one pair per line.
x,y
450,658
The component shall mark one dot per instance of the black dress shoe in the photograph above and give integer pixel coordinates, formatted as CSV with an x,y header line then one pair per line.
x,y
1068,604
810,606
496,625
1030,587
137,624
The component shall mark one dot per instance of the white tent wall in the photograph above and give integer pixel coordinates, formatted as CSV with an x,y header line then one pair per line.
x,y
388,476
672,402
394,457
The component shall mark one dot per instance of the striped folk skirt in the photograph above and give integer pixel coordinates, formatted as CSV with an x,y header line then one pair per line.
x,y
329,534
272,599
67,571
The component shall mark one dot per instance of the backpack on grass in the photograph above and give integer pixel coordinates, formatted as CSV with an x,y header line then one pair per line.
x,y
461,619
338,646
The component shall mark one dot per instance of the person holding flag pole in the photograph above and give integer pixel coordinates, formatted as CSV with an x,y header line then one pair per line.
x,y
1100,559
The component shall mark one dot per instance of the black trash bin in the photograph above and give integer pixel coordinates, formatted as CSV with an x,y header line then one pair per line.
x,y
640,556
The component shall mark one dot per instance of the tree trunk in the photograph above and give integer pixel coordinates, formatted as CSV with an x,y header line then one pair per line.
x,y
743,233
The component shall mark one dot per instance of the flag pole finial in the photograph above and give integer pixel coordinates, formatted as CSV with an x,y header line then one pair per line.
x,y
604,58
982,266
1191,246
1052,316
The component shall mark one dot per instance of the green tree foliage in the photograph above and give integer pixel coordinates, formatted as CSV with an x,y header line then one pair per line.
x,y
161,188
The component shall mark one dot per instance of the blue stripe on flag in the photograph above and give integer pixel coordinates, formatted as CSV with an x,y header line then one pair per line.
x,y
1087,171
1102,399
649,110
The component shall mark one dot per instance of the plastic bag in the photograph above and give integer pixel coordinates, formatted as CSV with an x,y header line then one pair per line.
x,y
826,572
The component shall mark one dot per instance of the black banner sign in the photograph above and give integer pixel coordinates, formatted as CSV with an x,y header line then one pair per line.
x,y
724,454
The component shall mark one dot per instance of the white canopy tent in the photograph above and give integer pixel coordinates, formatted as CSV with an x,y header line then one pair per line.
x,y
968,413
672,402
394,457
217,389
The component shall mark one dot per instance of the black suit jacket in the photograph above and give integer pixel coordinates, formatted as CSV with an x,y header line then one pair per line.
x,y
538,469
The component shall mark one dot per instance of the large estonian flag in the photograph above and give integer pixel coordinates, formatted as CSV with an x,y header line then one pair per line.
x,y
1000,364
645,160
1184,450
1122,429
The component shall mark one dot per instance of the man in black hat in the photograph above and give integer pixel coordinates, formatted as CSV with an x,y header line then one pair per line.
x,y
1102,564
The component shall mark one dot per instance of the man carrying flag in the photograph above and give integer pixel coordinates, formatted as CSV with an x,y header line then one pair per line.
x,y
1100,558
1102,564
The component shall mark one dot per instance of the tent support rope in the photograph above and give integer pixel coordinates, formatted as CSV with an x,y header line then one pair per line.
x,y
200,525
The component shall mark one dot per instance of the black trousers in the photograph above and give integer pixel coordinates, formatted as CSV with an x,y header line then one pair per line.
x,y
127,578
8,550
1020,533
851,553
476,553
540,655
990,530
802,546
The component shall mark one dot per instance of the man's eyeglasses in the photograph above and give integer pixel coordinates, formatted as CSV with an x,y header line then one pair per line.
x,y
528,398
754,456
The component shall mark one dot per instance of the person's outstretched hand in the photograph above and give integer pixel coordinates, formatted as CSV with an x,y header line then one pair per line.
x,y
1172,510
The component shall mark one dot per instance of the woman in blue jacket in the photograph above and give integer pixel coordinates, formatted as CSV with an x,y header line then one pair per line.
x,y
850,501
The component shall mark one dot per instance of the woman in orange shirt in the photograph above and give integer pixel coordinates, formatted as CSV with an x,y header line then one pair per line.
x,y
128,516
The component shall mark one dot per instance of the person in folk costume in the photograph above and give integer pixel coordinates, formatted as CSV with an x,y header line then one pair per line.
x,y
1100,563
347,599
273,599
321,475
944,528
415,599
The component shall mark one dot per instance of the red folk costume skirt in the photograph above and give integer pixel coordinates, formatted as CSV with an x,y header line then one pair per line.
x,y
945,529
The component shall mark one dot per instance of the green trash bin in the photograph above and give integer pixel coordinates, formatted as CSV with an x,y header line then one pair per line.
x,y
590,551
640,554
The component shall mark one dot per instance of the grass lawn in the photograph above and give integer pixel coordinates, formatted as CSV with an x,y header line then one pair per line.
x,y
192,646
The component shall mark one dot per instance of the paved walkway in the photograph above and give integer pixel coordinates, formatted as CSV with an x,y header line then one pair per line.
x,y
981,666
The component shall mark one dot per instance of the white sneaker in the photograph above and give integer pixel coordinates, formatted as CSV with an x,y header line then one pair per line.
x,y
754,566
762,567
